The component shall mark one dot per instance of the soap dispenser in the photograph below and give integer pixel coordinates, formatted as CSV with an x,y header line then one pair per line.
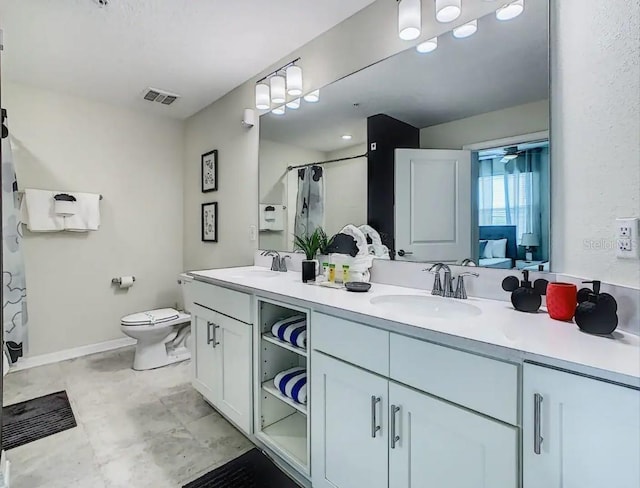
x,y
525,296
597,313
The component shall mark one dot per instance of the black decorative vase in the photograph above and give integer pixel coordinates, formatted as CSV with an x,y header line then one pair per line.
x,y
308,270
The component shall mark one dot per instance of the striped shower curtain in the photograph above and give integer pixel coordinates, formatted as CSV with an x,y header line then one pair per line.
x,y
14,308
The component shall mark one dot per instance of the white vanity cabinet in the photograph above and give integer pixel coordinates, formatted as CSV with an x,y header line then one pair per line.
x,y
222,350
579,432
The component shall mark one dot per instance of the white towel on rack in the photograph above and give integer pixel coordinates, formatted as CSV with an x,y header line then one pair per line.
x,y
38,213
87,216
292,383
292,330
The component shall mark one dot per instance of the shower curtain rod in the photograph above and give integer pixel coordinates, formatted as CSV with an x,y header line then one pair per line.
x,y
289,168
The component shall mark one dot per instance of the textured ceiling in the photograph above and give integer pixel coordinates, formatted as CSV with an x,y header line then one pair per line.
x,y
198,49
504,64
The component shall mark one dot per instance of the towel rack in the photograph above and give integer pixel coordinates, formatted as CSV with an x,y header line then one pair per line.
x,y
21,193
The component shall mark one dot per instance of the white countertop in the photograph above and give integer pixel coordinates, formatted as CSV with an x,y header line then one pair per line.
x,y
536,337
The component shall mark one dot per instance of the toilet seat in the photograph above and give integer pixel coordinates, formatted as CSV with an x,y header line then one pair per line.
x,y
151,317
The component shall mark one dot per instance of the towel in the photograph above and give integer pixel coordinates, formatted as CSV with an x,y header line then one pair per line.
x,y
38,213
292,383
292,330
87,216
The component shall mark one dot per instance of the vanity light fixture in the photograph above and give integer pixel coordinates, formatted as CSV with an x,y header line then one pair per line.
x,y
278,89
427,46
448,10
510,10
466,30
263,100
312,97
294,104
279,110
294,80
347,137
409,19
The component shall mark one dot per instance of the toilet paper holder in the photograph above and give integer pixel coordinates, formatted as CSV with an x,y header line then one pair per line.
x,y
118,281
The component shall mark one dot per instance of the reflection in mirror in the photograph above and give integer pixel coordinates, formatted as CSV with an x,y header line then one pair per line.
x,y
445,155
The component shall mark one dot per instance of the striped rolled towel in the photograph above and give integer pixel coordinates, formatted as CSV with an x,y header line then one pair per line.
x,y
292,383
292,330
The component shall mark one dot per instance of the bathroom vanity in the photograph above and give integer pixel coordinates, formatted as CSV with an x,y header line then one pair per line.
x,y
401,395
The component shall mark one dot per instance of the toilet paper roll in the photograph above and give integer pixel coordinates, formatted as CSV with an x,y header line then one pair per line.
x,y
126,282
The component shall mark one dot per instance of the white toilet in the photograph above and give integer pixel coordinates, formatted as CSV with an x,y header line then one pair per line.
x,y
162,334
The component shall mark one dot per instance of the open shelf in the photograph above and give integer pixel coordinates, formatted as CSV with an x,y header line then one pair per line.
x,y
269,337
290,435
270,388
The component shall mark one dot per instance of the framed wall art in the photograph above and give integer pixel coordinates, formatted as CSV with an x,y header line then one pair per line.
x,y
209,162
210,222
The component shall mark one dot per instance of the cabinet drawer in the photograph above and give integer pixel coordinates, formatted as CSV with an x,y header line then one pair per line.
x,y
355,343
228,302
485,385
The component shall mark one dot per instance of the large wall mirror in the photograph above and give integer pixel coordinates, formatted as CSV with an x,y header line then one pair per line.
x,y
444,153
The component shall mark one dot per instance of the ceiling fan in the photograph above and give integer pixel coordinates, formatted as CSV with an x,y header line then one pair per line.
x,y
510,153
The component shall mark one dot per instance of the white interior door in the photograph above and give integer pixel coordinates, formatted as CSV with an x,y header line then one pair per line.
x,y
432,204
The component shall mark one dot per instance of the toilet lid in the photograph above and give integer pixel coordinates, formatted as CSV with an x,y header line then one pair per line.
x,y
158,316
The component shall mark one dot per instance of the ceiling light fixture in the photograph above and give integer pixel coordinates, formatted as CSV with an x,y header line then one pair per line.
x,y
263,100
312,97
294,80
294,104
409,19
278,89
279,110
448,10
510,11
466,30
427,46
347,137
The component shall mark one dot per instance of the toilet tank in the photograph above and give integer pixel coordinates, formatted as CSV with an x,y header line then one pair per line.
x,y
185,281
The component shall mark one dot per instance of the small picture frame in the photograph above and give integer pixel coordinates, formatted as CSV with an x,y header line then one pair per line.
x,y
209,163
210,222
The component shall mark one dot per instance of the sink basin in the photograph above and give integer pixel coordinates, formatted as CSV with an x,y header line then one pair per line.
x,y
256,273
427,306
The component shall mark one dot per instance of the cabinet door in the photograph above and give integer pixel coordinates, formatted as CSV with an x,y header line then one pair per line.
x,y
579,432
349,443
205,369
234,372
441,445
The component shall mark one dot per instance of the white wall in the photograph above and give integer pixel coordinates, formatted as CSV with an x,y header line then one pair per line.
x,y
512,121
345,189
595,135
135,161
274,160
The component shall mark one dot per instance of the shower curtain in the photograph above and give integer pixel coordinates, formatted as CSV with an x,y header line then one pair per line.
x,y
14,308
310,201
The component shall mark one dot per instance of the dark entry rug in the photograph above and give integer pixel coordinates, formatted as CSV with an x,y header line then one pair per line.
x,y
251,470
34,419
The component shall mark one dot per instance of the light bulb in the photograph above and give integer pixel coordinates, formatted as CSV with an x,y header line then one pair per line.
x,y
409,19
294,81
427,46
278,91
294,104
278,110
263,101
448,10
312,97
510,11
466,30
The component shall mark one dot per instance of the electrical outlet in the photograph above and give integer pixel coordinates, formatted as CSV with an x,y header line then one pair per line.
x,y
627,238
253,233
624,245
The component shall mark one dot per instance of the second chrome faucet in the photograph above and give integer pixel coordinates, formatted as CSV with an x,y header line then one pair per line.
x,y
444,287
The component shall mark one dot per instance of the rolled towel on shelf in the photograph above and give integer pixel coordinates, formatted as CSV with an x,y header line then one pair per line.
x,y
292,383
292,330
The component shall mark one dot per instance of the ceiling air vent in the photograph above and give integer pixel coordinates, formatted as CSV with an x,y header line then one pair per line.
x,y
160,96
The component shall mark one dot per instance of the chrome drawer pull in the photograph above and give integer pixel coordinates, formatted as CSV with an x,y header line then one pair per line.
x,y
537,436
394,437
374,423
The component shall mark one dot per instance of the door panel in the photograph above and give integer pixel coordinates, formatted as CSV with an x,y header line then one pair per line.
x,y
345,451
442,445
433,204
205,368
589,432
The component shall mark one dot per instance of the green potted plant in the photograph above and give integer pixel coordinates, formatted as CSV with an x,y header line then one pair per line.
x,y
309,244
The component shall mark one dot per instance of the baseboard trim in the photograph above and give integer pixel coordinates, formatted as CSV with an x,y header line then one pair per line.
x,y
76,352
4,471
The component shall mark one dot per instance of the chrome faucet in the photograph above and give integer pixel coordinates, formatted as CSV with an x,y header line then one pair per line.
x,y
468,262
439,289
461,291
437,284
448,282
275,262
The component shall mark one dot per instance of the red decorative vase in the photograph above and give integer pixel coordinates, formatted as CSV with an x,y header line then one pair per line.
x,y
562,300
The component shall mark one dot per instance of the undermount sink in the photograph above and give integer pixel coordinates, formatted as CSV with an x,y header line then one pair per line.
x,y
256,273
427,306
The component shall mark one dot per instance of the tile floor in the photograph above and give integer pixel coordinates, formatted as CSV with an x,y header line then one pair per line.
x,y
136,429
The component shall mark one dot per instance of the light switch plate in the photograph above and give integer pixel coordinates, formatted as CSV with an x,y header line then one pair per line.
x,y
627,243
